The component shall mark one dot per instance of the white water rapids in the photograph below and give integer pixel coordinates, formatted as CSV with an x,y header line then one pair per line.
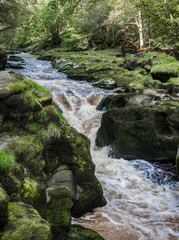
x,y
142,198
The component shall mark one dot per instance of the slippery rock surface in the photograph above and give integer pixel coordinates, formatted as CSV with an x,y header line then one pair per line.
x,y
25,223
58,197
78,232
143,125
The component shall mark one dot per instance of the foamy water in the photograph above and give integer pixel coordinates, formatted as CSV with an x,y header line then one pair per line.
x,y
142,198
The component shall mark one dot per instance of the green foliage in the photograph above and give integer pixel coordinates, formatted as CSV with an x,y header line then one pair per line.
x,y
6,161
86,24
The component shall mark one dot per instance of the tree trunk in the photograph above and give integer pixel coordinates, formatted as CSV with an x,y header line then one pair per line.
x,y
168,9
140,27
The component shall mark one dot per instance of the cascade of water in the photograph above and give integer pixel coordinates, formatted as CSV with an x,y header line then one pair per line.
x,y
138,206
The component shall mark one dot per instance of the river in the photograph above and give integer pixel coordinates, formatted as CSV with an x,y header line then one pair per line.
x,y
142,197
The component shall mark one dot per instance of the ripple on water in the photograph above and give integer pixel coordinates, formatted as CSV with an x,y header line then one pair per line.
x,y
142,197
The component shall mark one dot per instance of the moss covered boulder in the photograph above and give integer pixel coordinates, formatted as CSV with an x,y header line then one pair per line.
x,y
78,232
177,162
4,199
58,208
3,60
149,133
25,223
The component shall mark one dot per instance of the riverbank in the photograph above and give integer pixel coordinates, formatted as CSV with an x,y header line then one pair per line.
x,y
146,88
130,187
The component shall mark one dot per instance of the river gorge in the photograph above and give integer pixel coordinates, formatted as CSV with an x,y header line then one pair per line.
x,y
142,197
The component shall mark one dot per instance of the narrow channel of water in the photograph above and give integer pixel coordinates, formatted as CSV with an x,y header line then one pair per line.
x,y
142,197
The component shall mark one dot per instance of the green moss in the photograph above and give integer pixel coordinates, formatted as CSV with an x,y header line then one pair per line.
x,y
6,161
29,189
33,127
17,87
157,58
34,86
169,68
59,207
173,80
30,99
25,223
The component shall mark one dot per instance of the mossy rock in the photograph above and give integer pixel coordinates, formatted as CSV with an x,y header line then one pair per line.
x,y
58,208
78,232
28,151
164,72
16,58
3,60
177,162
141,132
34,193
4,199
89,195
25,223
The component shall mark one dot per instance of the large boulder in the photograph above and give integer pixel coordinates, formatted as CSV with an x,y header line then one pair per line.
x,y
78,232
25,223
42,145
149,133
58,208
3,60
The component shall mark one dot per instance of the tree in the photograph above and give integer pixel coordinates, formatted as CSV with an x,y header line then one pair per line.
x,y
9,10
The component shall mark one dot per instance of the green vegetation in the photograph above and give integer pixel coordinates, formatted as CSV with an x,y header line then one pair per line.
x,y
6,161
29,189
82,25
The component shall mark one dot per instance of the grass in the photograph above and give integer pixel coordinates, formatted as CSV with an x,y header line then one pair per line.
x,y
6,162
17,87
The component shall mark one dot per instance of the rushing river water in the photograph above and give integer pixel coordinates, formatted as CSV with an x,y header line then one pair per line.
x,y
142,197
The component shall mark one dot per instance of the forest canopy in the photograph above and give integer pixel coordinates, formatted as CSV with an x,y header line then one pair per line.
x,y
89,24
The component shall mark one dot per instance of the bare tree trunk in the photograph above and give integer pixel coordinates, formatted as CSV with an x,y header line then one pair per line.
x,y
148,26
140,27
113,34
169,11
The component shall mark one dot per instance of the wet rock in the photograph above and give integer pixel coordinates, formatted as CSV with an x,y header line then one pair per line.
x,y
15,58
18,66
46,58
63,177
58,208
3,60
177,162
78,232
25,223
140,132
6,83
118,101
4,199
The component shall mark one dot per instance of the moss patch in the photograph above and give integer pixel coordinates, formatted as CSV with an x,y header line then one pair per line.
x,y
25,223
